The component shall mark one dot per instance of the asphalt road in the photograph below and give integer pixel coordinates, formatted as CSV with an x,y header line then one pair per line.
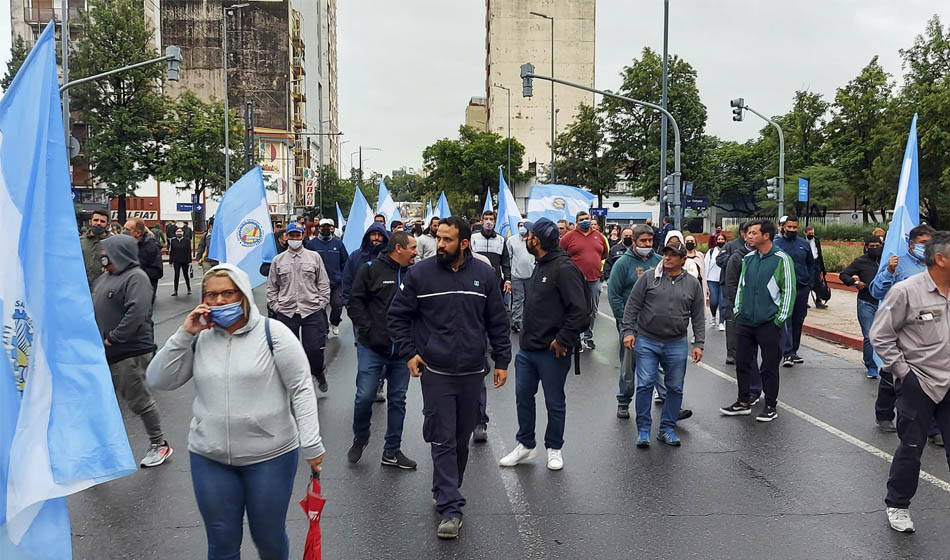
x,y
808,485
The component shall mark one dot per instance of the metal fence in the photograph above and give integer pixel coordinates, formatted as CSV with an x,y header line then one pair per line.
x,y
728,223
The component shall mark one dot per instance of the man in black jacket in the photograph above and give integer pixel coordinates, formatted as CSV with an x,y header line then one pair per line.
x,y
861,273
556,314
373,289
722,260
820,272
438,320
150,254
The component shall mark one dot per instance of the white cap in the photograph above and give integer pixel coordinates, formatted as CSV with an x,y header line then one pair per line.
x,y
327,221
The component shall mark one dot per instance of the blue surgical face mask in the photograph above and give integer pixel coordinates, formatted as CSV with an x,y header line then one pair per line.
x,y
523,230
584,225
919,251
226,315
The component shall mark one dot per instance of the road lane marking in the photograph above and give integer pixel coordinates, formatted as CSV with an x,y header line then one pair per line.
x,y
528,525
924,475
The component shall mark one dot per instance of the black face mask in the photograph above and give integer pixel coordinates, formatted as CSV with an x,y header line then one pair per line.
x,y
875,252
325,232
628,241
790,235
690,245
810,236
97,230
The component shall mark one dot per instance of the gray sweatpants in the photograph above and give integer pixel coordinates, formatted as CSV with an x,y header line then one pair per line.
x,y
128,378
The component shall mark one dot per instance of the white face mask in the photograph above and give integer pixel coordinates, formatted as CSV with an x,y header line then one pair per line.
x,y
295,244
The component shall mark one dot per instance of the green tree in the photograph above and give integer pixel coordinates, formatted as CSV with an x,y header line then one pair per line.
x,y
733,170
193,135
583,155
124,112
405,187
334,190
635,131
466,167
804,130
18,54
857,113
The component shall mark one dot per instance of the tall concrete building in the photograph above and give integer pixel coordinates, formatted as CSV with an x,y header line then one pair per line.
x,y
476,113
515,36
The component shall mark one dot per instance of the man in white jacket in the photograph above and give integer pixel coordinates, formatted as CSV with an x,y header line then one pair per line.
x,y
522,265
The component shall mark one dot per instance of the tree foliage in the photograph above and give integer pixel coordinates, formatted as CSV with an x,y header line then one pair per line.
x,y
18,54
583,154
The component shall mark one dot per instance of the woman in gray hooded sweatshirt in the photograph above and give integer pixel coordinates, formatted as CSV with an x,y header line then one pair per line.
x,y
255,411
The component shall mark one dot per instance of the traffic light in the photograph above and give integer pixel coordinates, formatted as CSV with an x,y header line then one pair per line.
x,y
669,189
173,54
527,69
737,105
770,188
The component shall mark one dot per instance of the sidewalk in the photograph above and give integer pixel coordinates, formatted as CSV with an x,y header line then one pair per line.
x,y
839,322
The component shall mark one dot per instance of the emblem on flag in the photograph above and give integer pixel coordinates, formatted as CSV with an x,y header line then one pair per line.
x,y
560,203
249,233
18,339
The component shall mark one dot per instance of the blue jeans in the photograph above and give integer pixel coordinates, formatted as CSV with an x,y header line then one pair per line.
x,y
594,288
627,388
532,367
715,300
224,492
373,367
866,311
651,354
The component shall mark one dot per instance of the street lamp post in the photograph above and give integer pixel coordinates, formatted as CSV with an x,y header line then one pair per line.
x,y
509,128
739,105
663,99
551,179
225,12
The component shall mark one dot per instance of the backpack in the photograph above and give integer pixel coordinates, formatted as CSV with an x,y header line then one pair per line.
x,y
270,341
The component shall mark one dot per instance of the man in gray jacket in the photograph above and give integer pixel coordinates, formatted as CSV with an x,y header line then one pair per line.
x,y
522,265
122,298
655,321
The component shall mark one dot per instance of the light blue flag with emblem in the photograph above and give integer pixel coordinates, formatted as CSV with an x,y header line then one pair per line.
x,y
557,202
508,213
907,206
442,208
359,220
60,426
340,222
242,234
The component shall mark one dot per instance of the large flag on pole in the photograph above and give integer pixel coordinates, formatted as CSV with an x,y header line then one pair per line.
x,y
907,206
488,206
242,234
60,426
340,222
556,202
428,214
359,220
508,213
385,204
442,208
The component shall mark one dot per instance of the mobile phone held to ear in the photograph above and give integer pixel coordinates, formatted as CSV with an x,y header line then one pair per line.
x,y
204,319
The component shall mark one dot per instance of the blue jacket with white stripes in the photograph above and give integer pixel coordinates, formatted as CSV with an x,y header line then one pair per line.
x,y
444,316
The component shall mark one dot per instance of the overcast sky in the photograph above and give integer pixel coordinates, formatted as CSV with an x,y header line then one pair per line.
x,y
407,69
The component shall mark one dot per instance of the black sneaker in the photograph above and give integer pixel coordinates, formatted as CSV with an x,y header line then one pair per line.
x,y
755,401
736,409
685,413
590,344
623,411
515,327
321,383
768,414
380,393
797,359
449,528
397,459
787,361
730,361
480,435
355,452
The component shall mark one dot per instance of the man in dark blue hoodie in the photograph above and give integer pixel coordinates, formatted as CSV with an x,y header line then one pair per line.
x,y
334,256
800,251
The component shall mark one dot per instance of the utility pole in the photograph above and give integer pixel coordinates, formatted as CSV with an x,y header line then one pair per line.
x,y
663,100
508,90
65,39
225,12
551,18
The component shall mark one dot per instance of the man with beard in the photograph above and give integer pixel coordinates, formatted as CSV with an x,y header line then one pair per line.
x,y
91,244
334,256
426,242
447,350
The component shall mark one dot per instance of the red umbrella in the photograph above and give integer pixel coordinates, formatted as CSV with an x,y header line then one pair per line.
x,y
312,505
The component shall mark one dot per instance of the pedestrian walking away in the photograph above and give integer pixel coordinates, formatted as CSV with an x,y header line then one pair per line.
x,y
764,300
655,322
911,333
255,413
373,289
298,290
860,274
587,249
555,315
334,255
800,252
179,253
447,350
150,254
522,265
122,301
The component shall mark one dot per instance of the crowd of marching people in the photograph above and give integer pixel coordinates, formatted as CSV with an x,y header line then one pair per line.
x,y
405,289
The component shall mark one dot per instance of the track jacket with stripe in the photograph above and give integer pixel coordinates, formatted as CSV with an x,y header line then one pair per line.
x,y
766,288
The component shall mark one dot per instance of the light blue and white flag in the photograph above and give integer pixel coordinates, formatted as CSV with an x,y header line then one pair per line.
x,y
907,206
442,208
359,220
429,214
488,207
60,426
508,213
395,215
242,234
556,202
340,222
385,204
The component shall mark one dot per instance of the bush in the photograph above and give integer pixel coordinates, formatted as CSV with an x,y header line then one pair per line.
x,y
844,232
838,257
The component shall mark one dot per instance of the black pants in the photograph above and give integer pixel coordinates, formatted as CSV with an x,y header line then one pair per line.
x,y
312,333
765,339
183,269
915,414
797,319
887,399
450,411
336,306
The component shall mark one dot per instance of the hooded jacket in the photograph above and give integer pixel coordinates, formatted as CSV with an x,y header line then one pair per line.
x,y
366,253
123,302
555,305
372,292
624,275
660,307
251,404
150,257
334,257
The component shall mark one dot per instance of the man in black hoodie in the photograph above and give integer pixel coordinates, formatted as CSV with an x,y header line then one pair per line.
x,y
150,254
555,315
861,273
372,292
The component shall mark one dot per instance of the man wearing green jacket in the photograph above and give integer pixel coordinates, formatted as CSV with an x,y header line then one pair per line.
x,y
764,301
91,244
634,262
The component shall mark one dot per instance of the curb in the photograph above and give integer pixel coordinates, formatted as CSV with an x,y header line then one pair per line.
x,y
836,337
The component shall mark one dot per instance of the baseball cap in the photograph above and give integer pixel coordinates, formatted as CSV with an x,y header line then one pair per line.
x,y
293,226
326,222
544,229
675,247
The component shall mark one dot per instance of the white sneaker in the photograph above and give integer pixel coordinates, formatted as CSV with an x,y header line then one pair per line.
x,y
555,461
335,329
900,520
722,326
518,455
